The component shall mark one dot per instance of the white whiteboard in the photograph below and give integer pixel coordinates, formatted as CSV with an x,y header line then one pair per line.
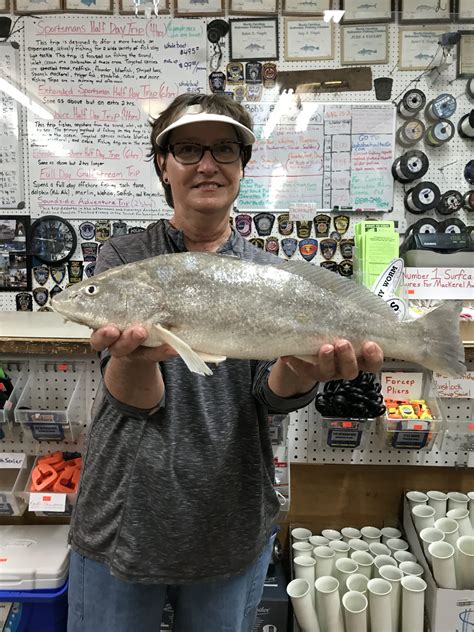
x,y
333,156
103,77
11,172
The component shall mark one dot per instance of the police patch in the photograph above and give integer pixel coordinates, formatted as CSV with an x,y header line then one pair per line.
x,y
217,81
321,225
346,246
55,290
75,270
272,245
135,229
329,265
243,223
254,92
119,228
328,248
289,246
89,250
264,223
24,302
235,72
253,72
90,269
285,227
346,268
341,223
41,295
269,72
303,228
41,274
58,273
102,230
308,248
87,230
257,241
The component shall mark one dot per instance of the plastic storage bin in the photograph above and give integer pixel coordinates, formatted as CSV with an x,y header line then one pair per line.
x,y
54,404
17,371
12,484
459,433
33,578
344,432
414,434
52,496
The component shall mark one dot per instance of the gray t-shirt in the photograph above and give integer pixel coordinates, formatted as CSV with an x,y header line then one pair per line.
x,y
184,493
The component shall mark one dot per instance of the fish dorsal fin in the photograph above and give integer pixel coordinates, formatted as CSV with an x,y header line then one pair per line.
x,y
338,285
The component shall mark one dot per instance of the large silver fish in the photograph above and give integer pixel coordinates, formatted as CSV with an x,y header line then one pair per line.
x,y
209,307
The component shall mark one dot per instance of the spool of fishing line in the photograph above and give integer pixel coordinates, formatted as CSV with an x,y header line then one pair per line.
x,y
410,133
412,102
466,125
469,201
442,106
439,133
423,197
470,89
450,202
411,166
452,225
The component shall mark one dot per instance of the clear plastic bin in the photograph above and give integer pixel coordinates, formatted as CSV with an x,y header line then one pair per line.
x,y
12,484
414,434
344,432
54,404
18,371
70,499
459,433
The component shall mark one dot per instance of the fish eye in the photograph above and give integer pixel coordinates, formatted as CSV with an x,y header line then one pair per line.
x,y
91,289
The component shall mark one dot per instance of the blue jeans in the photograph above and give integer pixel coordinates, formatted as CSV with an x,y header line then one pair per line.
x,y
100,601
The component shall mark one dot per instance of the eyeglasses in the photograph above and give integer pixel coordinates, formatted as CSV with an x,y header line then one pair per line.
x,y
192,153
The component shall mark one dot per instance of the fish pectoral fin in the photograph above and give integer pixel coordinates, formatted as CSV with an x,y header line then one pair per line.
x,y
208,357
192,359
307,358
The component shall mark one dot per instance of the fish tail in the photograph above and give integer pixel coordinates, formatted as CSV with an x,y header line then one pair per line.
x,y
441,345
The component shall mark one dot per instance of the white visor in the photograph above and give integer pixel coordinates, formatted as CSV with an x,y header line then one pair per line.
x,y
194,114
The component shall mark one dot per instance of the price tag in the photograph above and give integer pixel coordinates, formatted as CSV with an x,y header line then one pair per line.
x,y
462,387
402,385
12,460
47,501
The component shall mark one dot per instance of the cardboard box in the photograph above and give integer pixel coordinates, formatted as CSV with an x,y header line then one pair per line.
x,y
448,610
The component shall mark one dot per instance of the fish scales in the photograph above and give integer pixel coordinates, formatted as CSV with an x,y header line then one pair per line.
x,y
224,307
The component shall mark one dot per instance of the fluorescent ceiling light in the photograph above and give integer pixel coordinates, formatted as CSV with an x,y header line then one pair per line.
x,y
24,99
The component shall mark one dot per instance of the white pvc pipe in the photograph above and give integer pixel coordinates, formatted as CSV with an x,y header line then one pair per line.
x,y
423,517
365,562
457,499
404,556
442,555
377,548
305,569
430,535
328,604
411,568
358,545
350,533
393,575
371,534
461,515
340,548
357,582
331,534
298,591
464,561
450,528
301,548
397,544
318,540
324,557
470,495
416,498
300,534
382,560
390,532
343,568
379,605
355,606
413,603
439,502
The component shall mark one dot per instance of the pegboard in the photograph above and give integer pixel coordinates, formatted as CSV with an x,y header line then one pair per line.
x,y
304,440
19,439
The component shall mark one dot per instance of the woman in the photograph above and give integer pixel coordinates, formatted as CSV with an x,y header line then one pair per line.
x,y
176,497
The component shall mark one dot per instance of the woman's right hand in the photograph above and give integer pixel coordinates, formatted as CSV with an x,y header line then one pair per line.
x,y
127,344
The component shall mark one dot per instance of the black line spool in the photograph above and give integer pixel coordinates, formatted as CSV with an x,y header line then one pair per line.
x,y
469,171
450,202
422,197
452,225
412,102
466,125
425,225
469,201
411,166
441,107
439,133
411,132
470,89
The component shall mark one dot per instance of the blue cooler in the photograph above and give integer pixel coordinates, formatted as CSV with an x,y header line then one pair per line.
x,y
34,565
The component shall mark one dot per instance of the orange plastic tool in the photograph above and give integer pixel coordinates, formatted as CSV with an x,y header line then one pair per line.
x,y
67,481
43,476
